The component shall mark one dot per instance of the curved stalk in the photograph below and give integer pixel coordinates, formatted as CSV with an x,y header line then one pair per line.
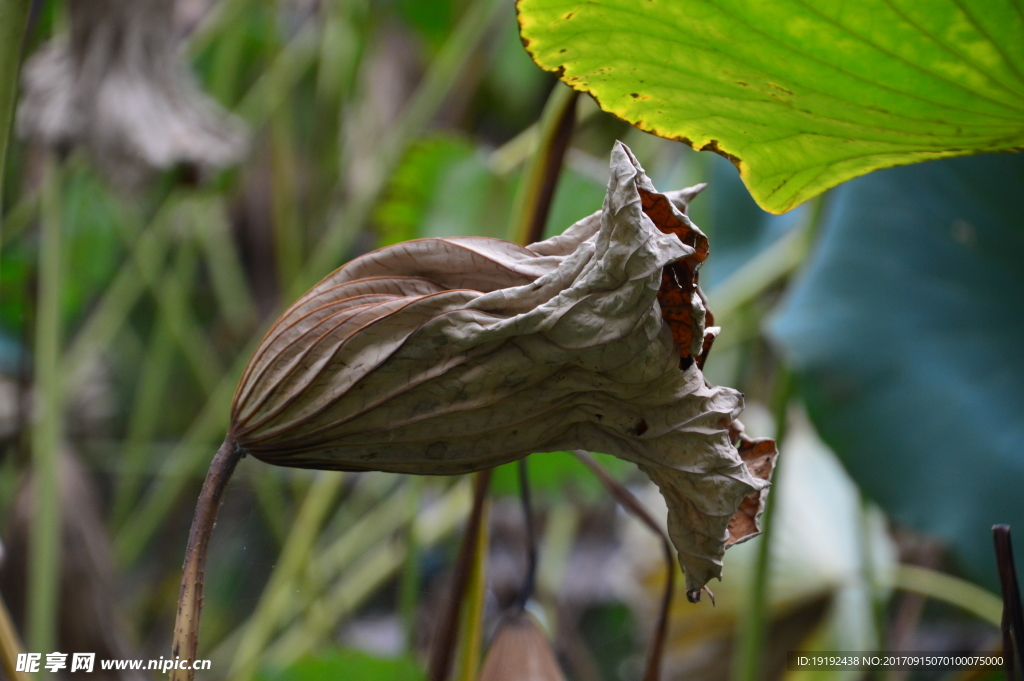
x,y
540,178
190,599
652,670
443,646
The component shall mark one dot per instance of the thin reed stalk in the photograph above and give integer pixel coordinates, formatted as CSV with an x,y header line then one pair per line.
x,y
632,505
13,20
44,548
443,646
749,652
280,589
536,190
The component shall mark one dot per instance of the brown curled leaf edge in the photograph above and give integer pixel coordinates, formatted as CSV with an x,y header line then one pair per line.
x,y
446,356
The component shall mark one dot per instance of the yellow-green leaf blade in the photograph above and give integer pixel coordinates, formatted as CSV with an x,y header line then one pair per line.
x,y
800,95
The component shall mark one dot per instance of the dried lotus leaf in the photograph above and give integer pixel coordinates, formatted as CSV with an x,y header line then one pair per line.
x,y
446,356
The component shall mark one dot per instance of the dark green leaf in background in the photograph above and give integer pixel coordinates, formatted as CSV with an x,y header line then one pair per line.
x,y
800,95
908,333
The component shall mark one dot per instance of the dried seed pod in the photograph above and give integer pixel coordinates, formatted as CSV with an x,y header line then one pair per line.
x,y
116,85
520,652
446,356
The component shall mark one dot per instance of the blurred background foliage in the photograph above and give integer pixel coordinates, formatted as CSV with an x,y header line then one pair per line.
x,y
885,316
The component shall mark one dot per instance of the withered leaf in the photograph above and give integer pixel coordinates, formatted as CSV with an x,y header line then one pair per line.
x,y
445,356
116,85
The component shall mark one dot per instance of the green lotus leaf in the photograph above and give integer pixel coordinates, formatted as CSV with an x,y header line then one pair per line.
x,y
800,96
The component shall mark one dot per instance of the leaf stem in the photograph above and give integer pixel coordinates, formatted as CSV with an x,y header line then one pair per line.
x,y
632,505
190,598
10,646
443,646
540,178
753,625
949,589
471,628
526,590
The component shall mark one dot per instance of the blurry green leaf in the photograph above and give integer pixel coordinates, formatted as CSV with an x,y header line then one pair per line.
x,y
907,333
93,250
434,20
414,184
552,472
576,197
468,200
514,82
801,96
343,663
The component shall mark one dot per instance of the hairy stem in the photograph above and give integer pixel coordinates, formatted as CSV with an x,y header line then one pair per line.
x,y
190,599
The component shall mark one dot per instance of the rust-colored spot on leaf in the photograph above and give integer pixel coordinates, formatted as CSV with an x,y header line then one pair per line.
x,y
759,457
715,147
679,281
641,427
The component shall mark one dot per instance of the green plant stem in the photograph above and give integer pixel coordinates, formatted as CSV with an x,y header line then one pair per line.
x,y
442,647
171,294
147,404
287,232
142,269
273,500
409,584
20,216
280,589
949,589
350,213
10,646
747,665
632,505
376,564
13,21
44,549
537,186
212,231
276,84
471,627
183,463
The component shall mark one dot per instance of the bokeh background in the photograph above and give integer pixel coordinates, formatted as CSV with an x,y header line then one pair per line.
x,y
181,171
